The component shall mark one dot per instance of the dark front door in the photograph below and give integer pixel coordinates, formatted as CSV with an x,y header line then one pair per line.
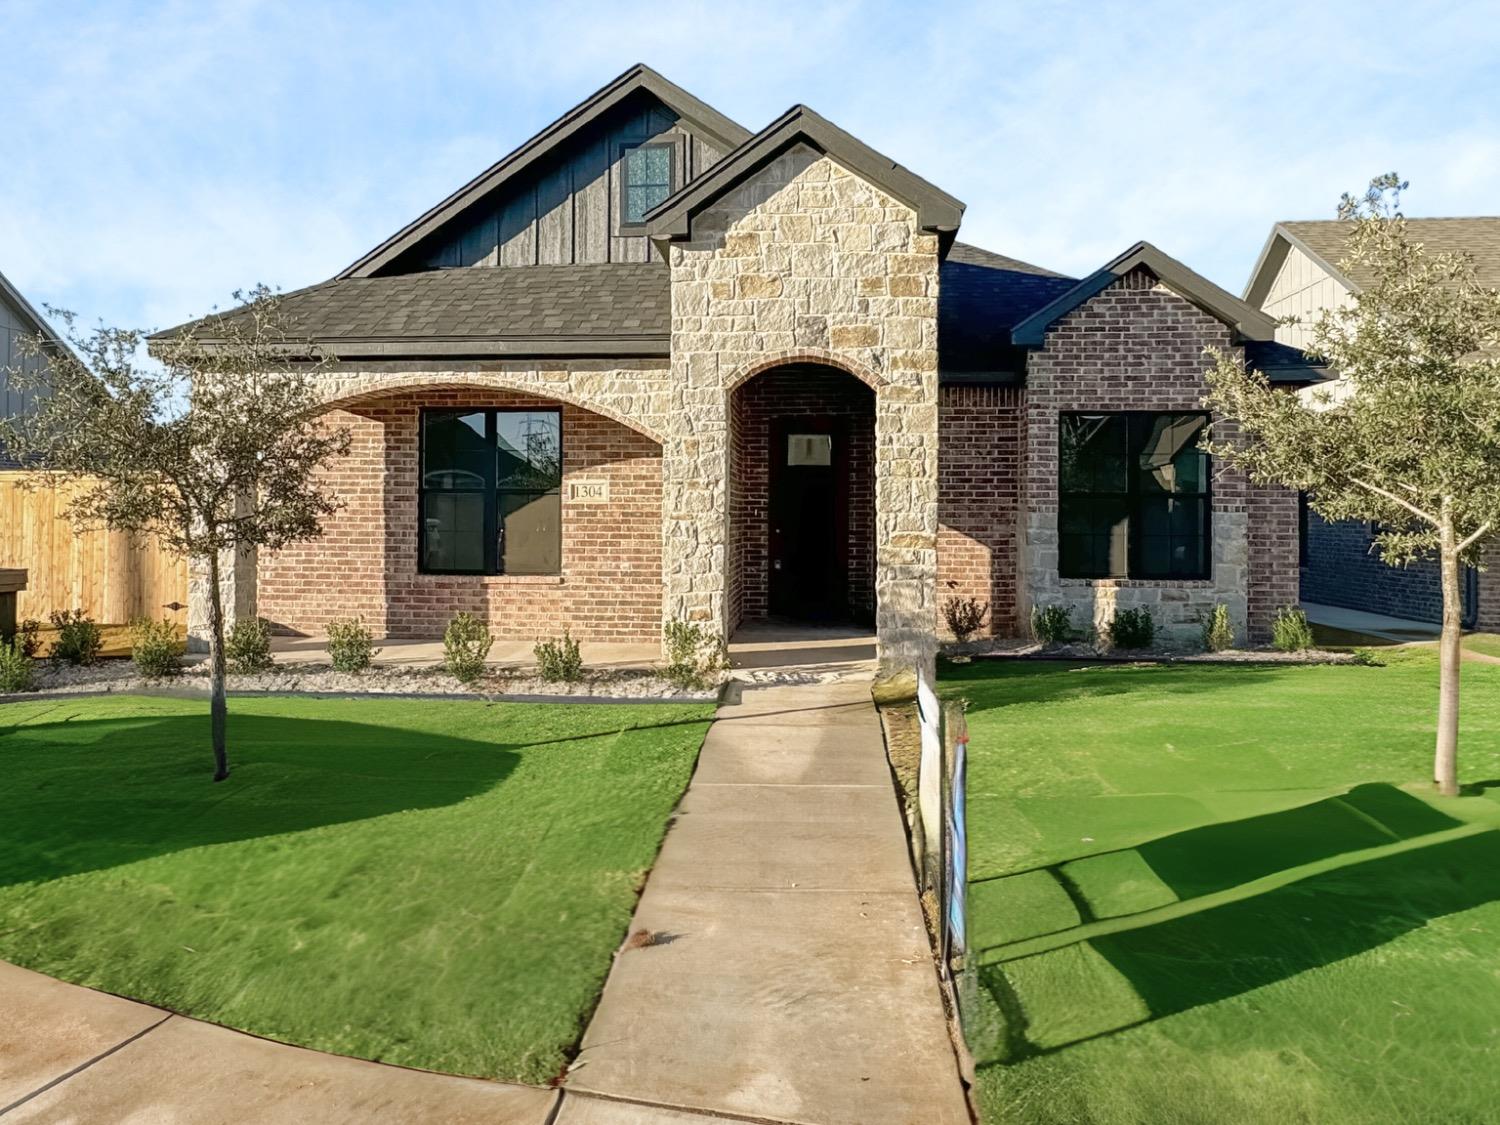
x,y
809,519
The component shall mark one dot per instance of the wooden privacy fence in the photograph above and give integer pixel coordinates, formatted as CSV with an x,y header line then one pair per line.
x,y
112,576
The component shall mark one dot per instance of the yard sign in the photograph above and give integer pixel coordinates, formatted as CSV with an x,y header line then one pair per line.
x,y
930,782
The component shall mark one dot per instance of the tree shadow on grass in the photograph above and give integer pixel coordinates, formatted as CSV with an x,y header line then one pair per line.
x,y
88,794
1098,987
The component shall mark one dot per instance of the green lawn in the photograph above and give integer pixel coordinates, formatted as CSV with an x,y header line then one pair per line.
x,y
1225,894
436,884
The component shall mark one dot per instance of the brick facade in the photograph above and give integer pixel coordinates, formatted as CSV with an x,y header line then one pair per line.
x,y
365,564
980,445
755,406
1137,345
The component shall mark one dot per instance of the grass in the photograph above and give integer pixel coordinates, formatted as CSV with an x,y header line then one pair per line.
x,y
1226,894
435,885
1486,644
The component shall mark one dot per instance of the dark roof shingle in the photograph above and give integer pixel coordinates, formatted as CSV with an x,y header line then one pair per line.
x,y
981,297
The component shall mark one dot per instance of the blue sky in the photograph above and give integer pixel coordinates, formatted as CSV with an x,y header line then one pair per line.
x,y
160,156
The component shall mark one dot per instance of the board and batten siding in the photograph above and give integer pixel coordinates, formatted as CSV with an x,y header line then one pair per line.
x,y
15,326
568,210
1302,288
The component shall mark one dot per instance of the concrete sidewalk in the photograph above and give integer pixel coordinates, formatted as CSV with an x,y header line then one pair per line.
x,y
69,1054
790,977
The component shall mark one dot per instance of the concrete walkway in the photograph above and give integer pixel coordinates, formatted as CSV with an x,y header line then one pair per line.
x,y
789,976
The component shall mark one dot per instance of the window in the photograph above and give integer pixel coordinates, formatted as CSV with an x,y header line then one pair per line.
x,y
491,492
1133,496
646,180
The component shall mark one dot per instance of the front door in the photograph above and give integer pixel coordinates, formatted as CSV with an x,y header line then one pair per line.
x,y
809,519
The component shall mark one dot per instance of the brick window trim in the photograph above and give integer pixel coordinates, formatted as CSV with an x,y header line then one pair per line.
x,y
431,578
1138,583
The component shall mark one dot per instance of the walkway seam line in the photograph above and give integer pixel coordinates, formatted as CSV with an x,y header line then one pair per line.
x,y
61,1078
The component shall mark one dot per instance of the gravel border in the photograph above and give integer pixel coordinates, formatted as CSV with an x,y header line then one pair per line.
x,y
118,676
1033,650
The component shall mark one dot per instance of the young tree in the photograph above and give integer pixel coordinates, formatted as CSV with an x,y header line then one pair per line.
x,y
215,447
1413,439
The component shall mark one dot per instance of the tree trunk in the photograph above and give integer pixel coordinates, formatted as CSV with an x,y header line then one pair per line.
x,y
217,708
1450,655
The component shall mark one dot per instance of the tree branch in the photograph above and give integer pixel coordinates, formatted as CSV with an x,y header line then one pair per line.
x,y
1478,535
1394,499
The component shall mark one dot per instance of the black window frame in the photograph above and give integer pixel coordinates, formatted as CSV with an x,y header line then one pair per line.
x,y
1134,496
674,175
490,490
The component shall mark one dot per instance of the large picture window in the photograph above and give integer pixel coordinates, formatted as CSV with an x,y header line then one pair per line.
x,y
1133,496
491,492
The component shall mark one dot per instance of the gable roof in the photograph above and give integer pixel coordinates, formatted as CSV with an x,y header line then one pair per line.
x,y
616,310
672,219
640,77
13,297
1248,323
1323,240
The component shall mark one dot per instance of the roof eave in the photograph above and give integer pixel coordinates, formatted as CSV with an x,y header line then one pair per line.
x,y
482,347
1248,323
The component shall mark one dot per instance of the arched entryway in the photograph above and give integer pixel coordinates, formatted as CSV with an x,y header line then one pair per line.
x,y
801,534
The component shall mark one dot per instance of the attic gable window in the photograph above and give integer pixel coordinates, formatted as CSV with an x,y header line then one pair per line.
x,y
647,177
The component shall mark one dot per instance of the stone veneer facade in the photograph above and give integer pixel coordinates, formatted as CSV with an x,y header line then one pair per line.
x,y
807,262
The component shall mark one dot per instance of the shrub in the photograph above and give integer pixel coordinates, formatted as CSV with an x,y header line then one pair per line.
x,y
79,638
1132,628
248,646
965,616
1290,632
1051,624
466,642
154,648
351,646
16,666
695,655
28,637
1218,631
559,660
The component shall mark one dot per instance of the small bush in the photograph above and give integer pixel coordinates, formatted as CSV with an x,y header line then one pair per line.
x,y
351,646
695,655
965,616
466,642
1290,632
1218,631
1051,624
248,646
28,637
79,638
559,661
1132,628
16,667
154,648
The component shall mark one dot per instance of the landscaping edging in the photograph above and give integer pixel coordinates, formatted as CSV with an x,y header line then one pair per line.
x,y
1032,650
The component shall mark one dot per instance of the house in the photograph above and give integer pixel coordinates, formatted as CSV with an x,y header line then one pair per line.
x,y
651,365
112,576
1303,270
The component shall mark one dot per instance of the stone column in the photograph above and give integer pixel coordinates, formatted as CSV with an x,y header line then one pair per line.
x,y
237,587
695,470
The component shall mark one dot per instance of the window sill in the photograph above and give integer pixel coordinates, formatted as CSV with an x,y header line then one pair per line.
x,y
1136,583
497,579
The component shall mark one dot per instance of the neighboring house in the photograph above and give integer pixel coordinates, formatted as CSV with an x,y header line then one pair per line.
x,y
653,366
112,576
19,322
1302,270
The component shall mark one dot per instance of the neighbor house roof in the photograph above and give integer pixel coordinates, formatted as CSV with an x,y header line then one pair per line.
x,y
13,297
1248,323
1325,241
672,219
701,115
615,309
